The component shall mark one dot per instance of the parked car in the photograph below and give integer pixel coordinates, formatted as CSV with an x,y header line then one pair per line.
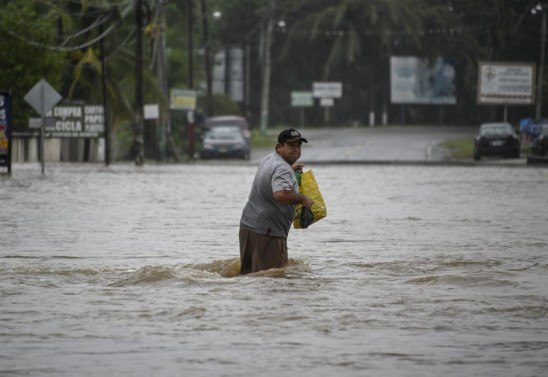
x,y
496,139
540,143
225,141
229,120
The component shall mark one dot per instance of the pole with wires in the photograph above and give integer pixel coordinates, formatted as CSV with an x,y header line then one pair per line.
x,y
138,143
538,109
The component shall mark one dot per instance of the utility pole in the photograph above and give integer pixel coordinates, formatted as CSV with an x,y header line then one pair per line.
x,y
538,112
138,143
190,25
207,57
106,108
190,115
265,87
165,116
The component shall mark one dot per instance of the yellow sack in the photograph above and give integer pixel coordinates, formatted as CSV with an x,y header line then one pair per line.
x,y
309,187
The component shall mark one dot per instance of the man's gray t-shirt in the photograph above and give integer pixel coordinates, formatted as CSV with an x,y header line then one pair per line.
x,y
263,214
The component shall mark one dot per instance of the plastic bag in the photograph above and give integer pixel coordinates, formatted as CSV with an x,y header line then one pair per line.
x,y
309,187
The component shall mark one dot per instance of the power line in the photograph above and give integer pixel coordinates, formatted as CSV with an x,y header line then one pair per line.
x,y
96,24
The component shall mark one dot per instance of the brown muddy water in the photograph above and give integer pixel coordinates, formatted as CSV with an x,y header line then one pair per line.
x,y
416,271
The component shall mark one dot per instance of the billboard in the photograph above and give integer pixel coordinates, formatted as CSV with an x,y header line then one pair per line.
x,y
5,130
228,73
422,81
75,121
506,83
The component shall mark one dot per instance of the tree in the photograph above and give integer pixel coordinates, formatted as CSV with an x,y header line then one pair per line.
x,y
25,27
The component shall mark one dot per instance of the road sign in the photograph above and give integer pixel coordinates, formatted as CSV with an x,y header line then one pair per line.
x,y
182,99
327,102
327,89
302,99
42,97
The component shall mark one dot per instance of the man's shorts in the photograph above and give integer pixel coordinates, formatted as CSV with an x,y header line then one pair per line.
x,y
258,252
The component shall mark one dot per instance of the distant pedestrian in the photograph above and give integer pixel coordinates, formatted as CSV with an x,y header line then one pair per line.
x,y
270,209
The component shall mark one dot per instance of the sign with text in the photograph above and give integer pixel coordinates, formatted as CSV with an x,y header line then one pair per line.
x,y
182,99
327,89
302,99
506,83
75,121
5,130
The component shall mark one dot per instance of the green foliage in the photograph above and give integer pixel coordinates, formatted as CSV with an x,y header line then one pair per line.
x,y
459,148
348,40
23,64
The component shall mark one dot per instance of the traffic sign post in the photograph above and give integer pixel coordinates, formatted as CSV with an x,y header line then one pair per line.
x,y
42,97
327,92
302,100
184,99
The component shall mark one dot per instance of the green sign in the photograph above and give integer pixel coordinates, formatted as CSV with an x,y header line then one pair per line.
x,y
302,99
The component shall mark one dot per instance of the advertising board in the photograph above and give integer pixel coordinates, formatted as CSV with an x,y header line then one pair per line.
x,y
5,131
415,80
506,83
75,121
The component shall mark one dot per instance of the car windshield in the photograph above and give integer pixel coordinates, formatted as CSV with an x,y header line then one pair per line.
x,y
496,130
225,134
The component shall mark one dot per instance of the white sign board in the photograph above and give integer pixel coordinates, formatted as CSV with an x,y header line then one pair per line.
x,y
506,83
327,89
327,102
151,111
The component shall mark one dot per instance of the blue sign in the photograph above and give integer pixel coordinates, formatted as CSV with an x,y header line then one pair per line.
x,y
5,130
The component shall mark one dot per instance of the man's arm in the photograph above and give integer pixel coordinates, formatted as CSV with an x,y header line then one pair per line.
x,y
289,197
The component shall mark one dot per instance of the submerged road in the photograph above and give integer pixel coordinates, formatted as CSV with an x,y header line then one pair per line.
x,y
377,144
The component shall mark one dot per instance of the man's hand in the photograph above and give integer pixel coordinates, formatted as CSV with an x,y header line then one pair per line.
x,y
298,167
307,202
289,197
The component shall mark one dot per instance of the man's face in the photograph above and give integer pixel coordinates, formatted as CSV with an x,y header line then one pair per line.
x,y
291,152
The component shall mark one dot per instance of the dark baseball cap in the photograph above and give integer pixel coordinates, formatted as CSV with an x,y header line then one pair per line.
x,y
290,135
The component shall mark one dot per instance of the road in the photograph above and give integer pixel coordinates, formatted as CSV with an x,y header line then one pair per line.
x,y
376,144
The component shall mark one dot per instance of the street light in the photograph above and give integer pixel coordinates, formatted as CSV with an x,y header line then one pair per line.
x,y
537,9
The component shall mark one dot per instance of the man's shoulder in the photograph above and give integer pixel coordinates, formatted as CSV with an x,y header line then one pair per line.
x,y
275,162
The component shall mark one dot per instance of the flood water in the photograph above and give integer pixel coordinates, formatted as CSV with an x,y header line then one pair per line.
x,y
416,271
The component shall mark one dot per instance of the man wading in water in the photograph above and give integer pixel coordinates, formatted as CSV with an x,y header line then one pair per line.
x,y
270,209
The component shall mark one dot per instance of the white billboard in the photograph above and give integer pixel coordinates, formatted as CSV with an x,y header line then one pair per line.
x,y
421,81
228,73
506,83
